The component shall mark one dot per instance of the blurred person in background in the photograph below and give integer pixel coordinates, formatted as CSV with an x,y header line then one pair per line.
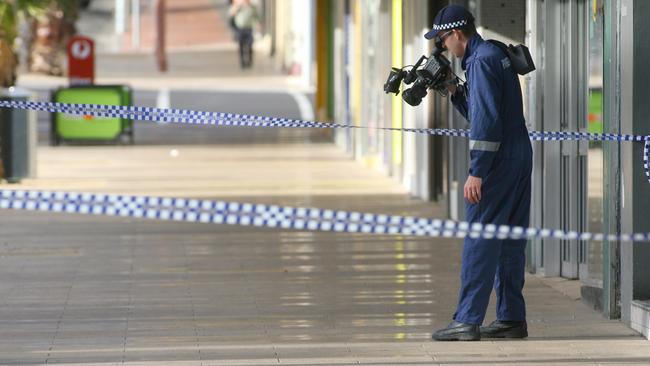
x,y
245,17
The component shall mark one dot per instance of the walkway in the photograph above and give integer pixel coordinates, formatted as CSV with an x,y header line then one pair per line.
x,y
102,291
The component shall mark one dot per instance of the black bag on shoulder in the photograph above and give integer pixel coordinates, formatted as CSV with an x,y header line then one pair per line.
x,y
519,55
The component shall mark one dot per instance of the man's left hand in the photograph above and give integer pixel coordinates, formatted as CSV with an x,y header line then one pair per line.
x,y
472,189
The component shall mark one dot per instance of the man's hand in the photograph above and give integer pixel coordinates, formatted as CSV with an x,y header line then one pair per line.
x,y
472,189
451,87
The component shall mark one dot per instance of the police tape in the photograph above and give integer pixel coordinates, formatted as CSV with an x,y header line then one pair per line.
x,y
283,217
273,216
192,117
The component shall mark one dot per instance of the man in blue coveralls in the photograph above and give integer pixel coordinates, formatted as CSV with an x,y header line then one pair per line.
x,y
497,190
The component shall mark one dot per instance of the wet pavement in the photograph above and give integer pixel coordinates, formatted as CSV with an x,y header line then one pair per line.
x,y
85,290
107,291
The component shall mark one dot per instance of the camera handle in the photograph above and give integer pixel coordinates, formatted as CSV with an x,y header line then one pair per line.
x,y
411,74
441,88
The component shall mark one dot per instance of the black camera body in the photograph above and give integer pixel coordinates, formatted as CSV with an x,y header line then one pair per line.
x,y
433,75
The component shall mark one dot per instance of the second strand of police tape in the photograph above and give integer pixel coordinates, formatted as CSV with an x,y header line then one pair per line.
x,y
287,217
273,216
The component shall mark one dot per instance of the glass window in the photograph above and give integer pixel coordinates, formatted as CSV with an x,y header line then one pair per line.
x,y
594,252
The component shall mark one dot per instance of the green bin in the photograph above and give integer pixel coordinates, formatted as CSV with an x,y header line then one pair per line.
x,y
91,129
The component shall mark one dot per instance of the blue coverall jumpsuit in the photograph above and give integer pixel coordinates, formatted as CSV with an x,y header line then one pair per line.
x,y
501,154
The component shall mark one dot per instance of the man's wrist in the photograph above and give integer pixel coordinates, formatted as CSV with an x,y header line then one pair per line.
x,y
475,173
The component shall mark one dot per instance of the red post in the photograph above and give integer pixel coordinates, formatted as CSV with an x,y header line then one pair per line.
x,y
161,55
81,60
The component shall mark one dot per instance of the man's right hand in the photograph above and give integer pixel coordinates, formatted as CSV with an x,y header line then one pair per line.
x,y
472,190
451,87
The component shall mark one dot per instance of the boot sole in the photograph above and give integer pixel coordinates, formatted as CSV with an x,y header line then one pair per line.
x,y
509,335
462,337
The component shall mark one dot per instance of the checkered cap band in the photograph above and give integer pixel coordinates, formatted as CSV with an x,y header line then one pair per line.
x,y
451,25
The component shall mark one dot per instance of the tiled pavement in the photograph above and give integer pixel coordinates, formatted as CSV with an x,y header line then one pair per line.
x,y
108,291
80,290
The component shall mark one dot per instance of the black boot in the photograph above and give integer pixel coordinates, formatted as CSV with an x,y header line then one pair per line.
x,y
505,329
457,331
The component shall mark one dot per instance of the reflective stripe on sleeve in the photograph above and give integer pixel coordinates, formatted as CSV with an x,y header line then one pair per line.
x,y
484,145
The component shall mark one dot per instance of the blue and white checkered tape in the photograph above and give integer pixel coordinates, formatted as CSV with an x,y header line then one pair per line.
x,y
273,216
343,221
185,116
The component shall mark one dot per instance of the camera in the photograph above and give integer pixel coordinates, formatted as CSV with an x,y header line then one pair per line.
x,y
433,75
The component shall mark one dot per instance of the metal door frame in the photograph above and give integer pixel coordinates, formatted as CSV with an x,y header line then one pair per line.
x,y
560,88
574,155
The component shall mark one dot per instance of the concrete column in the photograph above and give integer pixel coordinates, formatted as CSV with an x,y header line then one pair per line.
x,y
160,52
635,189
120,16
135,24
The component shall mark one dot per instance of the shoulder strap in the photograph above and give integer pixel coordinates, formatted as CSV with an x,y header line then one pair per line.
x,y
502,46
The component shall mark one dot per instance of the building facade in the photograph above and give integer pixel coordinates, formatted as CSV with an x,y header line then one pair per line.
x,y
590,56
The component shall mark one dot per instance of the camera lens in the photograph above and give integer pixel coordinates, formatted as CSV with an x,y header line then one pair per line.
x,y
410,98
394,80
414,95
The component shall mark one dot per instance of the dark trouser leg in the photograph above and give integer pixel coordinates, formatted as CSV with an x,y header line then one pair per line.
x,y
242,45
509,282
250,52
246,47
479,264
481,257
249,49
